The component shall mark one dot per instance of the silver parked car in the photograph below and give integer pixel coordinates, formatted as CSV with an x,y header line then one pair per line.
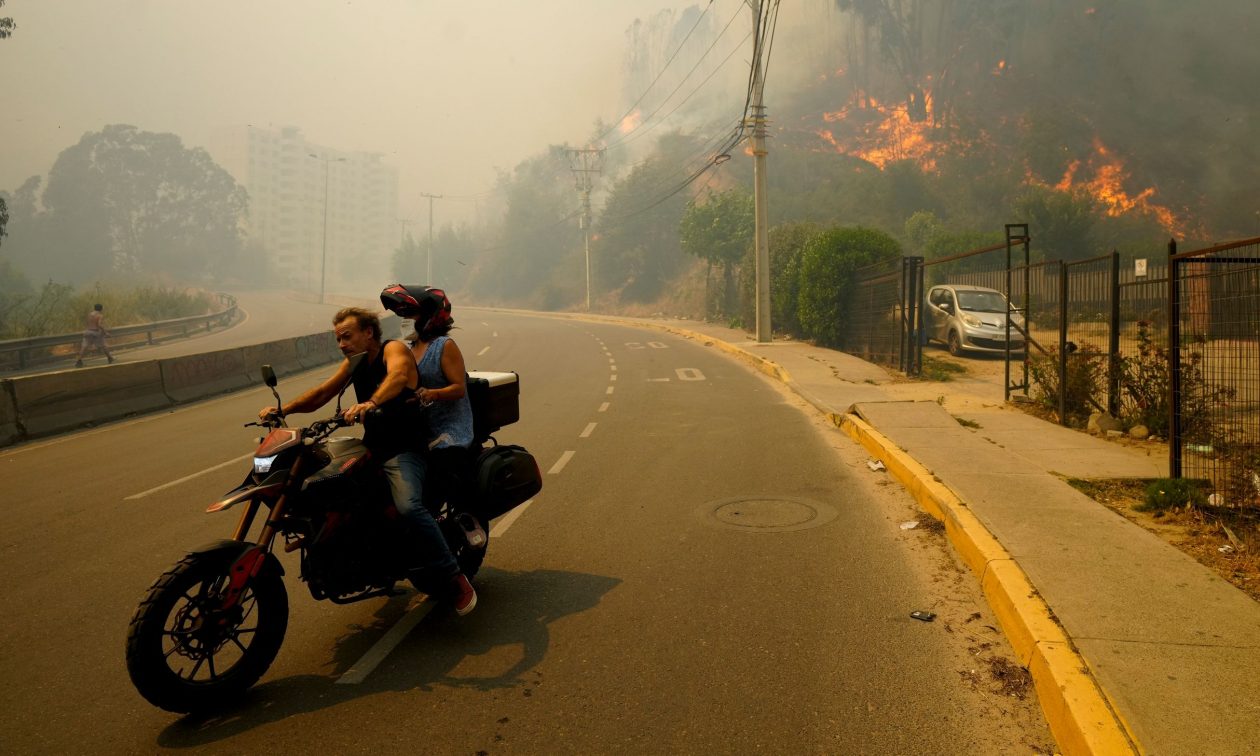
x,y
970,318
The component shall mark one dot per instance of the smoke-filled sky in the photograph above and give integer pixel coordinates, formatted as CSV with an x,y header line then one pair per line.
x,y
447,91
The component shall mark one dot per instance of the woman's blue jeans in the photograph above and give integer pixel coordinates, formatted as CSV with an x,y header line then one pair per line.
x,y
405,472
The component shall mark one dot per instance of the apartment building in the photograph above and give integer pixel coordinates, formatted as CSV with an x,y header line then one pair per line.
x,y
296,186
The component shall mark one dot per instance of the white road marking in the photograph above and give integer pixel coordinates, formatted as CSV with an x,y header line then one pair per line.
x,y
590,428
689,374
503,523
658,345
419,608
613,368
559,465
483,351
610,389
603,407
658,380
612,377
187,478
484,323
495,334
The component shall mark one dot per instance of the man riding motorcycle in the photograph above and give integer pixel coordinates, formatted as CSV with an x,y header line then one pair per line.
x,y
387,379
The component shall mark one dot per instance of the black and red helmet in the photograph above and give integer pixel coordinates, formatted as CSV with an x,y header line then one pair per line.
x,y
427,305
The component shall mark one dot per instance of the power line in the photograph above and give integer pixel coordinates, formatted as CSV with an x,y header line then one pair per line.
x,y
649,116
630,138
660,73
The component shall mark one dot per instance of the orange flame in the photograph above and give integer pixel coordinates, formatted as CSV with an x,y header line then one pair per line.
x,y
631,122
893,137
1107,187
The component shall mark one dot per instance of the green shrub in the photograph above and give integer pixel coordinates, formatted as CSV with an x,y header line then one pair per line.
x,y
828,263
1144,390
787,240
1166,493
1086,376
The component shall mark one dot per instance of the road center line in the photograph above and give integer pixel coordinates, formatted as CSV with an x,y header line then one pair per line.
x,y
483,351
610,390
419,609
586,433
559,465
187,478
603,407
612,377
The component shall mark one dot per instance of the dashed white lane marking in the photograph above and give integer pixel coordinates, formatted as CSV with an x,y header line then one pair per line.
x,y
495,334
603,407
500,527
560,463
417,610
612,377
611,361
610,389
483,351
613,368
590,428
484,323
187,478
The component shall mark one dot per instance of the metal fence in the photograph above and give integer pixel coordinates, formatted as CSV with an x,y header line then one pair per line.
x,y
884,315
1214,375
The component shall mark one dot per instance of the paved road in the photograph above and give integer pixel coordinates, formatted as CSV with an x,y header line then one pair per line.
x,y
617,614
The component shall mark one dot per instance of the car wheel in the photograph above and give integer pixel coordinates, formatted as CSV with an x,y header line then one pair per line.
x,y
955,344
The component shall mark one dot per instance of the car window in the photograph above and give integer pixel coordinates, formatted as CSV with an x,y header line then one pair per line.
x,y
982,301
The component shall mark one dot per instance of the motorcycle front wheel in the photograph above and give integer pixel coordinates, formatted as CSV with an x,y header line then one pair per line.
x,y
186,653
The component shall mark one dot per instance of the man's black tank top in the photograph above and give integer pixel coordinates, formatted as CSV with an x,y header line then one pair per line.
x,y
399,428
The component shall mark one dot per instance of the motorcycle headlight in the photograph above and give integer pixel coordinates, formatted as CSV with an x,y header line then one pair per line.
x,y
263,464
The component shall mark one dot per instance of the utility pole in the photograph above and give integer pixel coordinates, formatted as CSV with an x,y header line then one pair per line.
x,y
323,255
759,180
584,163
428,257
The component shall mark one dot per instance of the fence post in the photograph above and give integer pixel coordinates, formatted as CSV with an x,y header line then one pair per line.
x,y
1063,300
1174,362
1113,341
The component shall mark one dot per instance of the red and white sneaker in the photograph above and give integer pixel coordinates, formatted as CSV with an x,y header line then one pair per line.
x,y
463,597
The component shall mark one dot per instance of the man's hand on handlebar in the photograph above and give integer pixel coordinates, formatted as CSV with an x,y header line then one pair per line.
x,y
355,413
268,412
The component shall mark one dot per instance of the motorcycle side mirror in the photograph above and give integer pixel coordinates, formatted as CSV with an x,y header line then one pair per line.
x,y
355,361
269,378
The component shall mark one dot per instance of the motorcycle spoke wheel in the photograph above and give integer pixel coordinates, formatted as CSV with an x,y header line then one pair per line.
x,y
186,652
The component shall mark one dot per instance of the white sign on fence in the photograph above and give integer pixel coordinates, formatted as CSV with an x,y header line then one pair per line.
x,y
1139,267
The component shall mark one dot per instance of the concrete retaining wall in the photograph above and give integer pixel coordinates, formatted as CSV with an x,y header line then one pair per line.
x,y
10,431
198,375
68,399
41,405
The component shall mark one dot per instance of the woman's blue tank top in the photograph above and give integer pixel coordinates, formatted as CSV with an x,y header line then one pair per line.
x,y
450,423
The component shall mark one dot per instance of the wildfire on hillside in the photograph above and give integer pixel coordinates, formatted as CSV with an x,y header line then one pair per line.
x,y
881,134
1106,186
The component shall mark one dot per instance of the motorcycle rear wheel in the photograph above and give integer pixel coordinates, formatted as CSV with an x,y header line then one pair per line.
x,y
184,654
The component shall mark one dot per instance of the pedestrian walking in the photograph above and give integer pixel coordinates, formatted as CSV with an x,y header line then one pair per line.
x,y
94,335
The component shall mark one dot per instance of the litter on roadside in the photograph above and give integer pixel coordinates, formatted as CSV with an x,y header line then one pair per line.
x,y
923,616
910,525
875,464
1226,549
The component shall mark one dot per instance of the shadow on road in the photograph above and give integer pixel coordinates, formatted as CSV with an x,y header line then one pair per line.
x,y
514,609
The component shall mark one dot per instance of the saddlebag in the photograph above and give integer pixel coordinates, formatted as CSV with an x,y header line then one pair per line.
x,y
506,476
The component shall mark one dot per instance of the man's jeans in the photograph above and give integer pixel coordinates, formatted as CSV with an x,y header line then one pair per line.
x,y
405,472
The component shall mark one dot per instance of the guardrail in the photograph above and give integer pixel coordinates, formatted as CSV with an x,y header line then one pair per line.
x,y
33,406
18,354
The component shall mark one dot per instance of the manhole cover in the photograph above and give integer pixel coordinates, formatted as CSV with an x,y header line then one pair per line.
x,y
768,515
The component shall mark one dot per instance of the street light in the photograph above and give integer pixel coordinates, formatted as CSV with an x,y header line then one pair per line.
x,y
323,255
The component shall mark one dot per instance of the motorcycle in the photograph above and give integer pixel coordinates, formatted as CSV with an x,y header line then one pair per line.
x,y
209,627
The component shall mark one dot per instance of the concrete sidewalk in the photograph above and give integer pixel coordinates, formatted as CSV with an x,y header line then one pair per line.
x,y
1172,651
